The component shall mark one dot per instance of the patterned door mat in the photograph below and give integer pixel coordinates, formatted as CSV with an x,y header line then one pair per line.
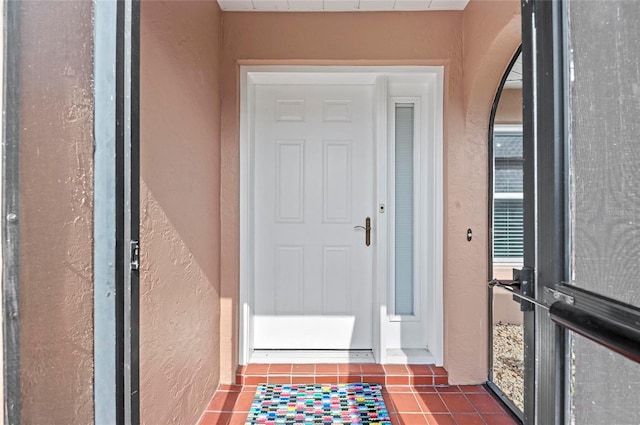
x,y
318,404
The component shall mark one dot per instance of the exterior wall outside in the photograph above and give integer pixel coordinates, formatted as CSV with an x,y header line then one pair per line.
x,y
180,221
505,309
503,272
56,212
509,107
414,38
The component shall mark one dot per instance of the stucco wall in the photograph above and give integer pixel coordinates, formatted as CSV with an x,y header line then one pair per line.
x,y
56,213
491,37
180,224
509,107
419,38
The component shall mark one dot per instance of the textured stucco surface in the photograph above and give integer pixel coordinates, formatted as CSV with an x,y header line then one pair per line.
x,y
180,225
56,227
420,38
491,37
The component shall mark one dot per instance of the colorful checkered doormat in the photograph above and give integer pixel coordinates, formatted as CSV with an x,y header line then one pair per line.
x,y
335,404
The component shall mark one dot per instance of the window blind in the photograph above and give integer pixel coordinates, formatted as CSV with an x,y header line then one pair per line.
x,y
404,261
508,227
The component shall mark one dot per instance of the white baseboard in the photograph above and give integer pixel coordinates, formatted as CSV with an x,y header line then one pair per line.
x,y
312,356
409,356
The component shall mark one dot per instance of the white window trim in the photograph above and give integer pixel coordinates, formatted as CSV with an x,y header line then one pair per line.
x,y
417,210
507,128
508,195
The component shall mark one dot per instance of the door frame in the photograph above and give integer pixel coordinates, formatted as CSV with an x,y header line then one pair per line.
x,y
431,77
12,398
116,212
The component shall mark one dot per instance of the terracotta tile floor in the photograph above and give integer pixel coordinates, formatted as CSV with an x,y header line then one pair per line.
x,y
414,394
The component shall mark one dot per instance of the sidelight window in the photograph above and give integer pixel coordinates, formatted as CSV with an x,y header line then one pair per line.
x,y
406,168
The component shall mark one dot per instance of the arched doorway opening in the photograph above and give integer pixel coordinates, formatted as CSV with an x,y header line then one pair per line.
x,y
506,321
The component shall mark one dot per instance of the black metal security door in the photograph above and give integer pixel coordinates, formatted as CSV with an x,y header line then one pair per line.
x,y
582,103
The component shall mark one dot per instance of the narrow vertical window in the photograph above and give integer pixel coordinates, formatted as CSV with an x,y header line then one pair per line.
x,y
404,194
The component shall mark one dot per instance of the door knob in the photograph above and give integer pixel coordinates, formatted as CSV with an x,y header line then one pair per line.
x,y
367,229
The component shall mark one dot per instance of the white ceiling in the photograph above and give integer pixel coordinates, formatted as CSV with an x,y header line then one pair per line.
x,y
514,79
339,5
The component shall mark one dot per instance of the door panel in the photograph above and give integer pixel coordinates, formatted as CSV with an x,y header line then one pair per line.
x,y
604,106
604,102
313,185
606,385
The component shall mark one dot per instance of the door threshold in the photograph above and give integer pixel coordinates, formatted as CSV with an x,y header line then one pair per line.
x,y
410,356
312,356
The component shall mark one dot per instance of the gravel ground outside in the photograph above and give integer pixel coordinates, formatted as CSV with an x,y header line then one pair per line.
x,y
508,361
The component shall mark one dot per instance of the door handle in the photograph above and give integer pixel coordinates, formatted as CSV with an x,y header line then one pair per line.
x,y
367,229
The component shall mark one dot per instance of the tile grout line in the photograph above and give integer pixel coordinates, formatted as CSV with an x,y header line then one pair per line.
x,y
480,415
473,406
205,411
424,415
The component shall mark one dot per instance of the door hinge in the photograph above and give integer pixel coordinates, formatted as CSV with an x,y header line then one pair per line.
x,y
524,277
135,255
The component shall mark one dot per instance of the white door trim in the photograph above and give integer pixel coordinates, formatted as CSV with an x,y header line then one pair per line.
x,y
430,78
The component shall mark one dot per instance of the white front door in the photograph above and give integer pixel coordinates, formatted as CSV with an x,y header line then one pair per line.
x,y
313,183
